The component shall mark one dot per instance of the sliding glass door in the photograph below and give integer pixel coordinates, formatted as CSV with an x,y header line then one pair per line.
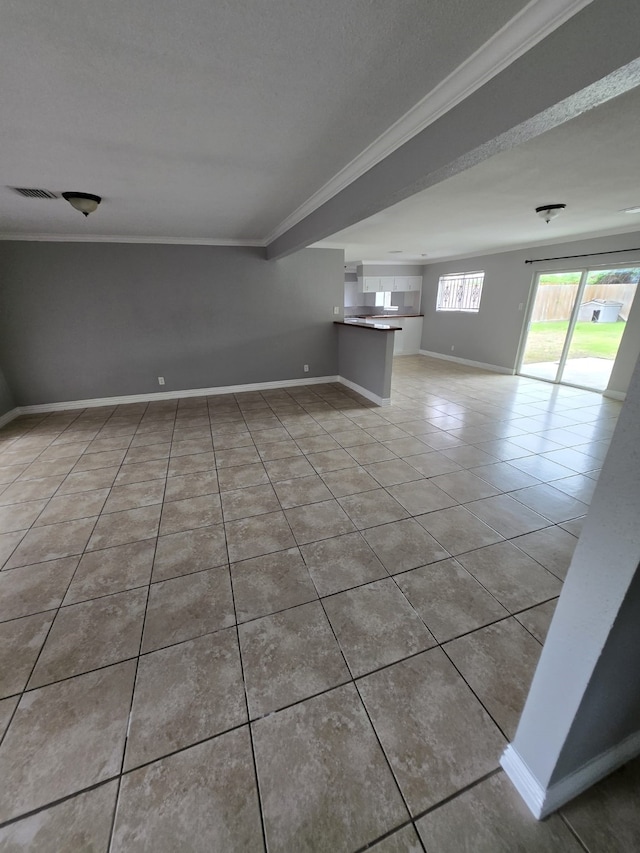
x,y
576,325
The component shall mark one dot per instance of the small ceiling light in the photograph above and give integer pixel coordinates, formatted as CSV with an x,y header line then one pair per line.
x,y
84,202
549,211
631,210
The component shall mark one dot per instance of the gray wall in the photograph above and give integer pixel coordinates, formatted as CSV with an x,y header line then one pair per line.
x,y
365,356
6,397
493,335
87,320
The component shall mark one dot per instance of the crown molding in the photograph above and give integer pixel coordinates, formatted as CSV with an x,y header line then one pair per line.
x,y
531,25
108,238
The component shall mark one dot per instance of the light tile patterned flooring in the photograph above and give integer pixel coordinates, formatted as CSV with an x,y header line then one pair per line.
x,y
291,616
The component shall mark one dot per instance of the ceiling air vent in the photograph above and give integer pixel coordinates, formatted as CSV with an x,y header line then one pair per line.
x,y
33,193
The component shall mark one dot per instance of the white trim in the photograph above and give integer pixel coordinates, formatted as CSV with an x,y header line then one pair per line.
x,y
614,395
495,368
530,26
364,392
120,238
9,416
173,395
544,801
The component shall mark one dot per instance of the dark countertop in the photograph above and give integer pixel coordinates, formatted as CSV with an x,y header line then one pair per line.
x,y
379,327
383,316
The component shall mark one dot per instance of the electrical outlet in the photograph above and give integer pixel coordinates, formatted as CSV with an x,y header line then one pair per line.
x,y
452,349
160,380
336,309
306,368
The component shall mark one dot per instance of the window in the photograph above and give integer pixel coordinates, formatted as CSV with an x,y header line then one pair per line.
x,y
383,299
460,292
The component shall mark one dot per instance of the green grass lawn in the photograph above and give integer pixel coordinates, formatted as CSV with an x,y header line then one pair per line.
x,y
590,340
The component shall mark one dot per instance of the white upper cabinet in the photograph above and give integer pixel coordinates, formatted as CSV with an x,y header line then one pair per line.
x,y
375,283
371,283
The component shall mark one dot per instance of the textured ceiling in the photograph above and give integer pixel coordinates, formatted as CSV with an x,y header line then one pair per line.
x,y
209,118
591,164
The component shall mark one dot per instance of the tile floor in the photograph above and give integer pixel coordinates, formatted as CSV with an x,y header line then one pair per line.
x,y
291,619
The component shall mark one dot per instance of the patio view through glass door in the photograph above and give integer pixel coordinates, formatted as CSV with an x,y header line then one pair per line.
x,y
576,325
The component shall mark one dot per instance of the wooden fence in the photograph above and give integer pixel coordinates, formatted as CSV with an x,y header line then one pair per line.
x,y
555,301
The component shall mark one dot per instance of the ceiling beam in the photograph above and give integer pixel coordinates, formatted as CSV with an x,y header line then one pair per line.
x,y
590,59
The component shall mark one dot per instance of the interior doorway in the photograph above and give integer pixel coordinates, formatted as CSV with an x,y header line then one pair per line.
x,y
576,324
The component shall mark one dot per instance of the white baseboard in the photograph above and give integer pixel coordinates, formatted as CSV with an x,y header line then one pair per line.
x,y
615,395
544,801
364,392
494,368
9,416
174,395
189,392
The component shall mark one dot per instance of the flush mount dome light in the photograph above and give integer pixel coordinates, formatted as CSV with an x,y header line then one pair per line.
x,y
549,211
84,202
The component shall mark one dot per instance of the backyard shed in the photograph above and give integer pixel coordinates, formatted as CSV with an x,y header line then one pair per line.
x,y
599,311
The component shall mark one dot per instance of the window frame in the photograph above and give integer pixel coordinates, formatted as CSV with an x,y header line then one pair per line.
x,y
465,279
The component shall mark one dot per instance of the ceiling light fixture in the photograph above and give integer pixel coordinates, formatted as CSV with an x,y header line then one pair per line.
x,y
549,211
631,210
84,202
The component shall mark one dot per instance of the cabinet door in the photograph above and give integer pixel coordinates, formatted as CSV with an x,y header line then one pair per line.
x,y
400,282
414,282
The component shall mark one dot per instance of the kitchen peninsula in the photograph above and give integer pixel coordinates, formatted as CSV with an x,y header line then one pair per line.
x,y
365,357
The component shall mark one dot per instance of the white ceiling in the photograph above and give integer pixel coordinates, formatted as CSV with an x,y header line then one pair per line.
x,y
210,119
591,164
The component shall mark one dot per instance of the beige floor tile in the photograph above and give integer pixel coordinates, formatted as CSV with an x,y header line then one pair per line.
x,y
8,544
190,551
191,446
73,506
435,733
579,486
404,545
551,503
369,509
190,513
119,528
367,454
331,460
505,477
103,459
135,495
202,799
241,476
150,452
574,526
469,456
509,517
351,437
192,464
541,468
65,737
31,589
187,607
289,656
82,823
349,481
30,490
9,473
491,816
301,491
191,486
184,694
155,435
262,534
317,443
605,817
375,626
330,790
317,521
20,644
405,840
464,486
87,481
90,635
236,456
538,619
279,450
20,516
449,600
393,472
252,500
140,472
458,530
498,663
386,432
512,577
552,547
340,563
269,583
421,496
48,468
405,447
288,469
52,542
112,570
